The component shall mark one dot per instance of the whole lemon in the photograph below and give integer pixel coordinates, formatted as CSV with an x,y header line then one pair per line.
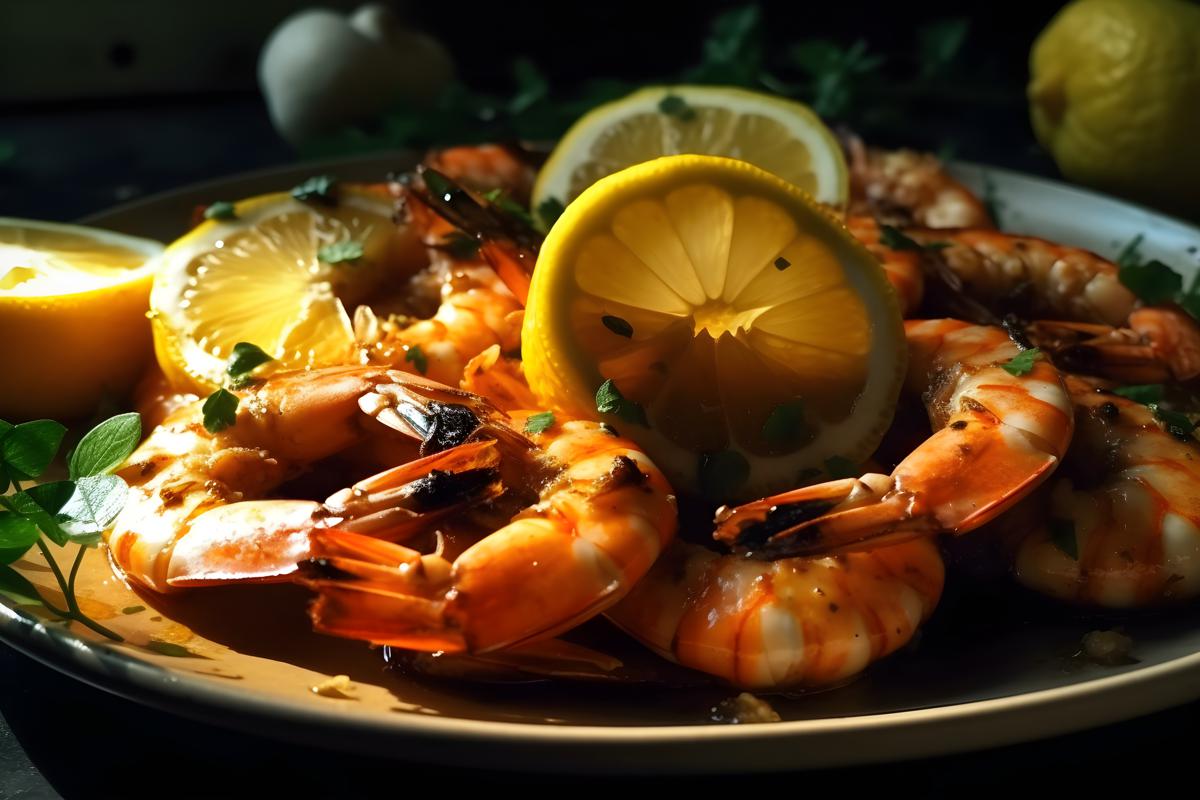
x,y
1114,95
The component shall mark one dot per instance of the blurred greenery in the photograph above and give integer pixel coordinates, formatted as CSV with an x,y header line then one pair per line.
x,y
845,83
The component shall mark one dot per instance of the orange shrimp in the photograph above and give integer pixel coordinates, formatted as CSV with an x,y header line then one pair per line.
x,y
572,516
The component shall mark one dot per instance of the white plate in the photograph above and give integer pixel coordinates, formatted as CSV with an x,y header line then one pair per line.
x,y
991,669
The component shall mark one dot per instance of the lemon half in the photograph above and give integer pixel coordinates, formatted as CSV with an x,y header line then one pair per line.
x,y
73,323
280,273
717,315
780,136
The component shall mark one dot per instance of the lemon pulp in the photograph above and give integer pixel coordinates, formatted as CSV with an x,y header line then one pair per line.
x,y
739,324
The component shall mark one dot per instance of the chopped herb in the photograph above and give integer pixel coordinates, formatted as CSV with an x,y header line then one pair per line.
x,y
896,240
170,649
460,245
338,252
1153,282
617,325
1130,255
782,263
500,199
1177,424
1145,394
222,209
246,357
785,423
841,467
609,400
540,422
548,212
675,106
1062,534
1022,363
319,187
416,356
133,609
220,410
722,474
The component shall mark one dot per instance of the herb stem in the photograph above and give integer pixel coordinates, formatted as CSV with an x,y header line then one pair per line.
x,y
62,583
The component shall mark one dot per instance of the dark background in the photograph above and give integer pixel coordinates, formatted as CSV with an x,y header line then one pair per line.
x,y
109,101
105,102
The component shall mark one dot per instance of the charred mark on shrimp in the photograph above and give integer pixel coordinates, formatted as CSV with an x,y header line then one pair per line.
x,y
756,535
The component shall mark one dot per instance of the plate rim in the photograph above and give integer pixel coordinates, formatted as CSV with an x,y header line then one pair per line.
x,y
939,730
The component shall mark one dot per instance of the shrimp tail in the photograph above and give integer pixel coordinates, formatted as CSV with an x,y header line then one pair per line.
x,y
263,541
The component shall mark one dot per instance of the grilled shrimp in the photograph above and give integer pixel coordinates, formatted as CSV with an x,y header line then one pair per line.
x,y
901,267
998,435
903,188
793,622
1121,525
570,518
478,268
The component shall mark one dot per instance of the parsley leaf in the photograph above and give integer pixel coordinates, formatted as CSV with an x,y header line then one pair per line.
x,y
841,467
220,410
1145,393
785,423
500,199
244,359
939,43
27,449
339,252
17,588
1130,255
106,446
1153,282
548,212
1177,424
416,356
722,474
1022,363
94,505
320,187
538,423
222,209
17,534
617,325
675,106
896,240
1062,534
609,400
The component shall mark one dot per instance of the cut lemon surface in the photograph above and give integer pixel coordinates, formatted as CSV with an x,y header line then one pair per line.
x,y
73,323
278,272
780,136
717,315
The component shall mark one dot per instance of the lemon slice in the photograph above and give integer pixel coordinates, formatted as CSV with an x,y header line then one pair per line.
x,y
781,136
280,273
717,315
72,316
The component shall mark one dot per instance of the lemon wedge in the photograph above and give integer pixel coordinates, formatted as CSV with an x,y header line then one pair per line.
x,y
282,273
783,137
720,317
73,323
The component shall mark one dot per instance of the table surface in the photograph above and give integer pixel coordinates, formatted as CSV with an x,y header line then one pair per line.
x,y
59,737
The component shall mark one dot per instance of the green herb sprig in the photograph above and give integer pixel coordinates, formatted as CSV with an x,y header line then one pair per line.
x,y
60,513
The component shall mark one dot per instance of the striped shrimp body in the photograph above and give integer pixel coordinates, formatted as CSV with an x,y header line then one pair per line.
x,y
1123,522
788,623
568,519
998,434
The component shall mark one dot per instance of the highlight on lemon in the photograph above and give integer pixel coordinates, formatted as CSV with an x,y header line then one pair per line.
x,y
720,317
73,326
783,137
282,271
